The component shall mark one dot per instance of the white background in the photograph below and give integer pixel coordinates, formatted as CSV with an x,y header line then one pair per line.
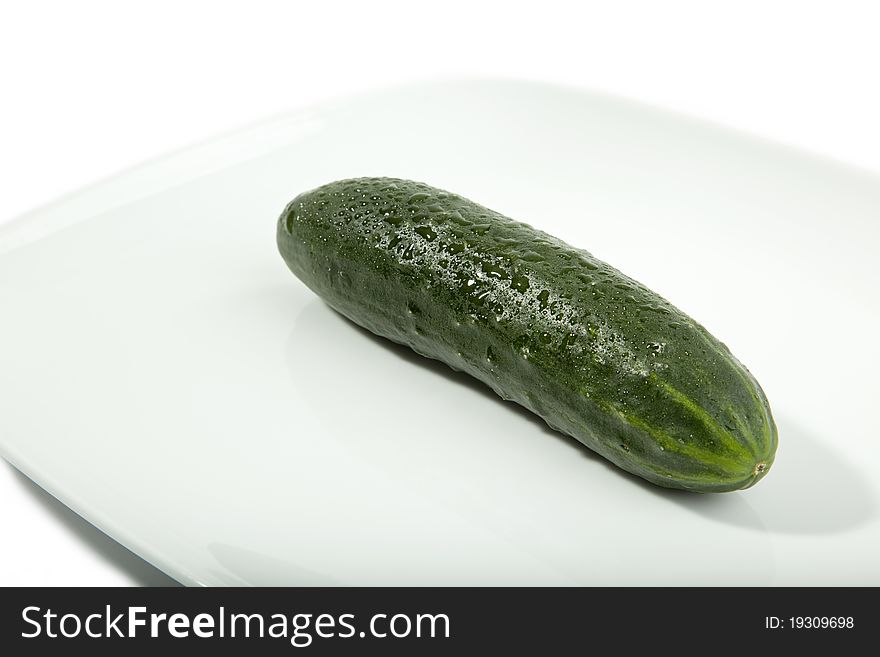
x,y
89,88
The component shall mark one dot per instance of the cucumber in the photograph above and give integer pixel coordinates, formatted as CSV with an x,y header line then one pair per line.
x,y
594,353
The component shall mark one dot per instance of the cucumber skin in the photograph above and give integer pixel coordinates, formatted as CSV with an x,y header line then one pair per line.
x,y
594,353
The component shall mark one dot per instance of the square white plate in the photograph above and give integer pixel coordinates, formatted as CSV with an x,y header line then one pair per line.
x,y
164,375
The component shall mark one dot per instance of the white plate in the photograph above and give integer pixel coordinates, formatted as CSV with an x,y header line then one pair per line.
x,y
163,374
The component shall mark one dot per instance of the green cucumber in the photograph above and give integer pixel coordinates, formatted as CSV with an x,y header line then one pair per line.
x,y
594,353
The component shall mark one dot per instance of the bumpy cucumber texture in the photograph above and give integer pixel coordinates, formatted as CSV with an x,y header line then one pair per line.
x,y
594,353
